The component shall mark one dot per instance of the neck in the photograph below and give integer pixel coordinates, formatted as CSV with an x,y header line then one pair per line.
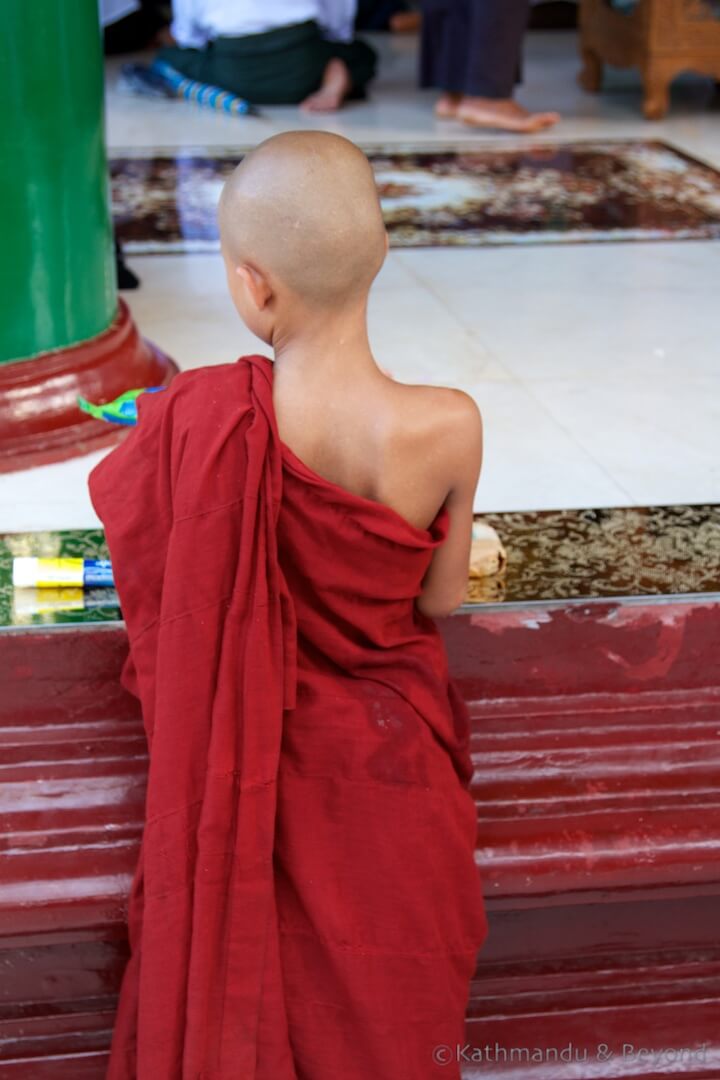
x,y
325,345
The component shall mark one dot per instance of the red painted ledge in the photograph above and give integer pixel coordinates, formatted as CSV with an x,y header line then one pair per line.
x,y
40,421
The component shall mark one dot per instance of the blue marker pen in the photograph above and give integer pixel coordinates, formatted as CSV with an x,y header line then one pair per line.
x,y
42,573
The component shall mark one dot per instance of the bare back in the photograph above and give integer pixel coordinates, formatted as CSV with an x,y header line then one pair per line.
x,y
413,448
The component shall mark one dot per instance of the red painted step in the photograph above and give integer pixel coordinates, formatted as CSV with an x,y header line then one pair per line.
x,y
595,739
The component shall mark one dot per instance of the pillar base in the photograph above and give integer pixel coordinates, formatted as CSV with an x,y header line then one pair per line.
x,y
40,420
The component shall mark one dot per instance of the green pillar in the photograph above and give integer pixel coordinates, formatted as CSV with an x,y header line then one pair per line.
x,y
57,273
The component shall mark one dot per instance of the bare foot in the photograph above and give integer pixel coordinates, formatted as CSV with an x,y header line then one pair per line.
x,y
506,115
336,85
405,22
446,106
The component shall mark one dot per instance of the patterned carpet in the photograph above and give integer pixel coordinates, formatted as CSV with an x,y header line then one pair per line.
x,y
645,551
439,197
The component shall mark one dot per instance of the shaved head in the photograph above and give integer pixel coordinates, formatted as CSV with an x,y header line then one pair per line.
x,y
303,209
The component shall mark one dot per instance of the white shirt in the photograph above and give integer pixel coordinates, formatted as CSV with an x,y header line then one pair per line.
x,y
195,22
112,10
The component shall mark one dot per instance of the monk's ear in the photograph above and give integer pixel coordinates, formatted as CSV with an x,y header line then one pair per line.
x,y
256,284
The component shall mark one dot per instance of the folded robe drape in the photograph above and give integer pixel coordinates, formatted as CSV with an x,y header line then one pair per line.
x,y
189,502
306,903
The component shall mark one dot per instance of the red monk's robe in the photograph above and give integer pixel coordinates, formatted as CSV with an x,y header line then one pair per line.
x,y
306,903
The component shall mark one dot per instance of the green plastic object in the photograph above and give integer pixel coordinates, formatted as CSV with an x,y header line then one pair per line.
x,y
122,410
57,267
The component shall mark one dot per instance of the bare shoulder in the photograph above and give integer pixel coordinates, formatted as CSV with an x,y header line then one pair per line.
x,y
448,415
443,431
458,408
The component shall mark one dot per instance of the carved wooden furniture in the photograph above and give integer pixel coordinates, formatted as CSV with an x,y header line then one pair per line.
x,y
661,37
597,765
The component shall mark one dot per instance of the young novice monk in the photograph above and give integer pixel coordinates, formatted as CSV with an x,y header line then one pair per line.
x,y
306,904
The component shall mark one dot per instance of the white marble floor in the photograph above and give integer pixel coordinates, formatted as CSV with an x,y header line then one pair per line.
x,y
596,366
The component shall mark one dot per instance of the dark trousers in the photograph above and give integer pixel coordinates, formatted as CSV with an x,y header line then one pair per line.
x,y
473,46
279,67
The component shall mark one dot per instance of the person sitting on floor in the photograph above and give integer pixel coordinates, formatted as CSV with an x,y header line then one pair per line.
x,y
278,52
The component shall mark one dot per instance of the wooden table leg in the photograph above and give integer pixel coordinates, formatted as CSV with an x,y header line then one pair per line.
x,y
591,73
657,76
